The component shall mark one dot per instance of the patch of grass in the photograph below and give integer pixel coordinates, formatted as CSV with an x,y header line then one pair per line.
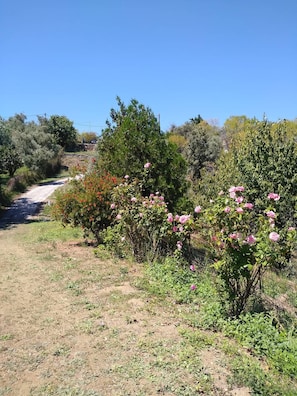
x,y
55,390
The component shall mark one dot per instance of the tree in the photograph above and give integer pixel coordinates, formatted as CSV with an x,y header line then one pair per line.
x,y
63,131
133,138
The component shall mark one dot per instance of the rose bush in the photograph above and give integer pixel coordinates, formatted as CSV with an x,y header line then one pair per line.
x,y
243,243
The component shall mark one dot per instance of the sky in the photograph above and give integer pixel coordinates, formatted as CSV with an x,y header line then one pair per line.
x,y
180,58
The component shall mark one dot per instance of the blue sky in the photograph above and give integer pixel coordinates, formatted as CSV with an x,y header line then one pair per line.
x,y
181,58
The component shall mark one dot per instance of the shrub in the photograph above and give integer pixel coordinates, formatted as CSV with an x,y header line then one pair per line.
x,y
86,203
145,224
243,243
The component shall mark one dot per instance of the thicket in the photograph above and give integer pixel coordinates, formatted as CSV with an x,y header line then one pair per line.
x,y
30,151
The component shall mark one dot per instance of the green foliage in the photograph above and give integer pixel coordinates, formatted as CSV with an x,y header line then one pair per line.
x,y
243,244
266,160
62,129
133,138
88,137
86,203
260,334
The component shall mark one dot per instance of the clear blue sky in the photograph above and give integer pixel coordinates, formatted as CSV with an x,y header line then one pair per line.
x,y
181,58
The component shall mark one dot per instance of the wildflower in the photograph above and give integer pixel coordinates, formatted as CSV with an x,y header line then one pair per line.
x,y
193,287
197,209
248,205
274,236
227,209
192,267
239,210
112,206
271,214
147,165
273,196
174,229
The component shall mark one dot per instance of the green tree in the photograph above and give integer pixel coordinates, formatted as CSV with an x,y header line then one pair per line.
x,y
133,138
63,130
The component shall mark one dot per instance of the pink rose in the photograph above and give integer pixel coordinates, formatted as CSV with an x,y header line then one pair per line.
x,y
184,218
270,214
239,199
274,236
273,196
250,239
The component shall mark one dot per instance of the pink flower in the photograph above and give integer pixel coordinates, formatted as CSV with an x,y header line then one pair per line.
x,y
119,216
239,210
197,209
239,188
133,199
180,228
192,267
184,218
221,192
112,206
239,199
274,236
270,214
174,229
179,245
291,229
176,218
127,177
232,194
234,235
250,239
140,214
193,287
248,205
227,209
147,165
232,189
170,217
273,196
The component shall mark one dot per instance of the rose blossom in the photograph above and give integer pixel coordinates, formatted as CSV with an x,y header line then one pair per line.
x,y
274,236
273,196
250,239
271,214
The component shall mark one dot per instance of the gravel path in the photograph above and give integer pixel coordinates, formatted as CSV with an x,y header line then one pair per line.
x,y
28,203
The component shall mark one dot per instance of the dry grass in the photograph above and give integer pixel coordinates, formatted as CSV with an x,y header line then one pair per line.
x,y
72,324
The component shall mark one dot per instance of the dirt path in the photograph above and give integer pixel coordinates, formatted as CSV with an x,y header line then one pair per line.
x,y
28,203
73,324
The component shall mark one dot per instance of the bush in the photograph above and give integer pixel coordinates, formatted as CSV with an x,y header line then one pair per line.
x,y
243,243
144,223
86,203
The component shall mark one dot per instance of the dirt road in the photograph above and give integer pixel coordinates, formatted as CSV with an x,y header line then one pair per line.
x,y
28,203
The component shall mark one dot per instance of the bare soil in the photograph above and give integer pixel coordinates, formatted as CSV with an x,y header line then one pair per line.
x,y
73,324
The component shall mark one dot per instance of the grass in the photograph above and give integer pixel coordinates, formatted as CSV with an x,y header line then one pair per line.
x,y
92,325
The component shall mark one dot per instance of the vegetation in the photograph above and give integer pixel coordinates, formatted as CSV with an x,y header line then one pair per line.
x,y
211,216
